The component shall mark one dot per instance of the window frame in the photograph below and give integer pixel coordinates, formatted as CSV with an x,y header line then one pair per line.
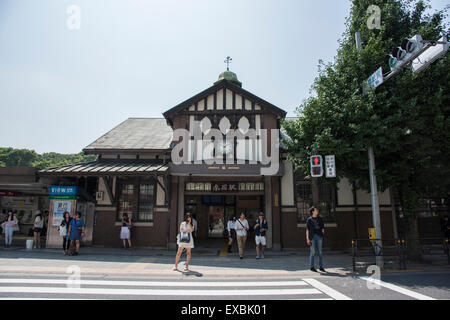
x,y
327,201
135,202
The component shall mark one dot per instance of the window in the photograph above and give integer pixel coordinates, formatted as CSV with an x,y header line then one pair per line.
x,y
326,203
304,200
126,199
146,201
137,198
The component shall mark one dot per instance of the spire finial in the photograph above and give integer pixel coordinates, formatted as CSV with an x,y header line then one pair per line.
x,y
228,61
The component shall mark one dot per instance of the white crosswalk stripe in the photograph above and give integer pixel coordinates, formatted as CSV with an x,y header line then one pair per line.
x,y
41,288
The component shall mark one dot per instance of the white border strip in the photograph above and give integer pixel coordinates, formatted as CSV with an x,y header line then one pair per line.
x,y
326,289
157,292
398,289
182,284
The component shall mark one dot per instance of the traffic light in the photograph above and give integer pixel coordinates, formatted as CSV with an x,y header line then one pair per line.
x,y
316,166
407,52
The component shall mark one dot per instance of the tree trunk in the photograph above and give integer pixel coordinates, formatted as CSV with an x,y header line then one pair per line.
x,y
412,236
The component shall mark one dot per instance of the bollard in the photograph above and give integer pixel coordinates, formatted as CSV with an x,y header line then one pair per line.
x,y
353,255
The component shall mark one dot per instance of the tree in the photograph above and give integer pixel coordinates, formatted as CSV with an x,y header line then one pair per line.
x,y
405,120
29,158
17,157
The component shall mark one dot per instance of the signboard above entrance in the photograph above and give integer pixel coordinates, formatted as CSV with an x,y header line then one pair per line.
x,y
224,186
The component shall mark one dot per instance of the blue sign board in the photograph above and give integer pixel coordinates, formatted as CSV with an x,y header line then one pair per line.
x,y
63,191
374,80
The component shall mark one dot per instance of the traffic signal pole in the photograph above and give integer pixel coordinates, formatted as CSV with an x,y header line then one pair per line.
x,y
373,189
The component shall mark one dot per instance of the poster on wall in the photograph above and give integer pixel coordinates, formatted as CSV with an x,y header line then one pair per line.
x,y
60,206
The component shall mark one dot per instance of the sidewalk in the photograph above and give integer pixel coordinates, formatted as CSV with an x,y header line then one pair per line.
x,y
157,263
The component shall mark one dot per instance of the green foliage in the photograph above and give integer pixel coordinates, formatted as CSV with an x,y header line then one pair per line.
x,y
23,157
406,120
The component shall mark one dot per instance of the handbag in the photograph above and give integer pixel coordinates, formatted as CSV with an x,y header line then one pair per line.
x,y
185,237
63,231
16,227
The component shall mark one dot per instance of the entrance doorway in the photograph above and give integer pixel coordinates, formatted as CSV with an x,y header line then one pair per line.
x,y
212,213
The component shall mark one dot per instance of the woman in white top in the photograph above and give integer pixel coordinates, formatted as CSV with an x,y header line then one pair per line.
x,y
241,233
10,225
186,229
38,226
231,226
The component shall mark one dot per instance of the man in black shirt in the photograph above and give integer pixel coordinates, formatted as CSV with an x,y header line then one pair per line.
x,y
315,230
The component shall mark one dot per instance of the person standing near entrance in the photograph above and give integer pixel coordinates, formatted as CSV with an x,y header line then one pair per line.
x,y
241,234
125,230
315,230
64,232
261,227
38,227
76,232
194,223
185,241
9,226
231,227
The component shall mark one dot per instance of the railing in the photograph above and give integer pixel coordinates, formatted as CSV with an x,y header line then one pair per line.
x,y
390,249
431,247
395,250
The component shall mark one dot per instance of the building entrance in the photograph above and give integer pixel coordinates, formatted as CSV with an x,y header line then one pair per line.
x,y
212,213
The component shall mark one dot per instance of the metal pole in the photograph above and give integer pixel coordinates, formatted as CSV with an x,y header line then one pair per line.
x,y
373,185
375,205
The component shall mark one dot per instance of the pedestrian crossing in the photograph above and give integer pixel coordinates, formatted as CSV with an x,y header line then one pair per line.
x,y
63,288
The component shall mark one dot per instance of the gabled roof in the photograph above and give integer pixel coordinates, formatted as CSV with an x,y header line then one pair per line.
x,y
134,134
266,106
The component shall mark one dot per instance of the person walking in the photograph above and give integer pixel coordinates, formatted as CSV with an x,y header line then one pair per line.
x,y
37,229
260,228
231,227
241,227
64,232
185,241
76,232
315,230
10,225
125,233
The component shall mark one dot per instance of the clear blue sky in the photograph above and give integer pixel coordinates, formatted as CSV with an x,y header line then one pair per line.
x,y
61,89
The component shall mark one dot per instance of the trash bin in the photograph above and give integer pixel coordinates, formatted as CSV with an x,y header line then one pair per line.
x,y
29,244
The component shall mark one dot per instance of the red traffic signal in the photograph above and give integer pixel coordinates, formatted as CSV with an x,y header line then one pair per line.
x,y
316,166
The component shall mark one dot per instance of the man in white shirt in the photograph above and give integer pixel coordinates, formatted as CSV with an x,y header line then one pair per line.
x,y
241,233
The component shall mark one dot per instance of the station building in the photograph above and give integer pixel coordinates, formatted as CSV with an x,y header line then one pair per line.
x,y
135,173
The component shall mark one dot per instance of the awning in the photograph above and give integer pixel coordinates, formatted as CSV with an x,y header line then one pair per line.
x,y
108,168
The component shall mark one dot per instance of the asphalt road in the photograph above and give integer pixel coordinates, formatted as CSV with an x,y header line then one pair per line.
x,y
45,274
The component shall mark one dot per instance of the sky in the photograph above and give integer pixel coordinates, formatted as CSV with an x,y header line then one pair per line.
x,y
64,82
